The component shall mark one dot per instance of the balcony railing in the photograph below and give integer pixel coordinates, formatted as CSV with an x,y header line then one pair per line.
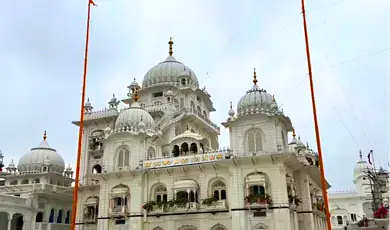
x,y
118,210
185,160
201,116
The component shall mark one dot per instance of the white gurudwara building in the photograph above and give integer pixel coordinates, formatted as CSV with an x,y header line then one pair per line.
x,y
350,206
36,194
157,163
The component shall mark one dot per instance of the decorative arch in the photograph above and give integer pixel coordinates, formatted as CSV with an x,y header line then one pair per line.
x,y
14,182
123,156
67,218
175,151
257,184
17,221
159,192
25,181
39,217
51,218
97,169
219,184
254,140
184,148
60,216
192,104
36,181
198,109
157,228
187,227
204,114
260,226
177,130
218,227
151,153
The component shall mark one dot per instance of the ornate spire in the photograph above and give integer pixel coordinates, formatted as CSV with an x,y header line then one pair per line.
x,y
360,155
170,46
231,105
294,133
44,136
273,98
254,76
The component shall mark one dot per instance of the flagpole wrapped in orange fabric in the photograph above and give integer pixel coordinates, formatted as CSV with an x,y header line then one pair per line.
x,y
317,130
81,127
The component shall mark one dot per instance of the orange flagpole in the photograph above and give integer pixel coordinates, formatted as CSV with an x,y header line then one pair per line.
x,y
81,127
317,130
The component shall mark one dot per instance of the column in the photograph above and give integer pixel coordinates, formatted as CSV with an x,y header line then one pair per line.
x,y
9,223
237,196
305,213
281,216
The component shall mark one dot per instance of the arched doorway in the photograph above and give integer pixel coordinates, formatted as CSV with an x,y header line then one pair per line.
x,y
17,222
39,217
187,227
3,220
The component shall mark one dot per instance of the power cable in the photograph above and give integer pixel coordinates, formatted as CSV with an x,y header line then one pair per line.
x,y
346,127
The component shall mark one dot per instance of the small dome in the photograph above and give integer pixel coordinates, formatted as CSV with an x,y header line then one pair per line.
x,y
131,117
134,84
69,168
33,160
169,93
256,100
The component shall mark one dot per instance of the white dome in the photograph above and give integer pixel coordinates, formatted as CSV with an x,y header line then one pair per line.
x,y
33,160
169,72
254,101
132,117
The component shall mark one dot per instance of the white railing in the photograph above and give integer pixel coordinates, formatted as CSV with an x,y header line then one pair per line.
x,y
185,160
118,209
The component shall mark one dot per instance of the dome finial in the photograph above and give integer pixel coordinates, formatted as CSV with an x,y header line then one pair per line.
x,y
44,135
360,155
231,105
254,76
136,96
170,46
294,133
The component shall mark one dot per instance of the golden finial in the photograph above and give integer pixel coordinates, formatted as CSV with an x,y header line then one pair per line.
x,y
44,136
136,96
273,98
294,133
254,76
170,46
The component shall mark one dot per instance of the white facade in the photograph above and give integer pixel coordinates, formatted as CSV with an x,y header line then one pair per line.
x,y
349,206
37,194
157,164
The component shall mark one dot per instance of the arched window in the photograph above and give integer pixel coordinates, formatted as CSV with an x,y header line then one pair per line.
x,y
177,130
67,218
257,190
39,217
51,218
218,227
176,151
97,169
14,182
36,181
218,189
160,194
192,104
199,110
59,217
184,148
339,220
254,141
257,184
193,148
24,181
123,157
204,114
151,153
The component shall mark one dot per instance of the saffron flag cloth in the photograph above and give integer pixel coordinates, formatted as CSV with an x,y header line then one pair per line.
x,y
92,2
369,156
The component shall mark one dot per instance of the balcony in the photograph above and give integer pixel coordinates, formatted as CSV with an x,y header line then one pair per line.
x,y
211,125
119,210
258,201
159,108
214,204
185,160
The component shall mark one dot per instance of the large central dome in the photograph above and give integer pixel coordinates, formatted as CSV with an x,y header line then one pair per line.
x,y
170,72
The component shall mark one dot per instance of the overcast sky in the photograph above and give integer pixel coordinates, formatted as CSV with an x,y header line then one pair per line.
x,y
42,51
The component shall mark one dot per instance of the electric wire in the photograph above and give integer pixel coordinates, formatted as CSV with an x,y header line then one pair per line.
x,y
346,127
